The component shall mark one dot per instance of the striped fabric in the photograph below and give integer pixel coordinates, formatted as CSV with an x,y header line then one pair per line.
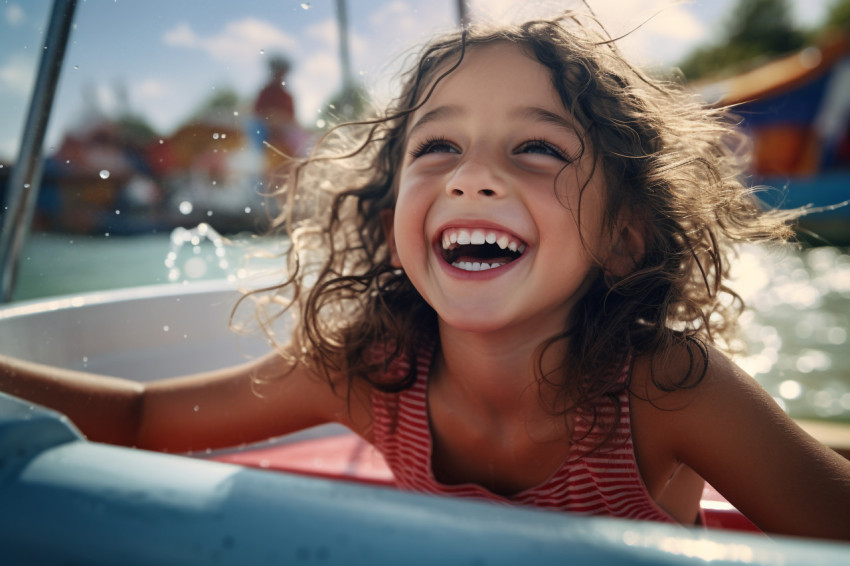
x,y
601,482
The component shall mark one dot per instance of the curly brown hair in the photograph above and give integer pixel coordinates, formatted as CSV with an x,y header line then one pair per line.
x,y
669,162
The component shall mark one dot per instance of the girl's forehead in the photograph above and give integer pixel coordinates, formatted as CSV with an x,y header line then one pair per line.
x,y
501,70
498,59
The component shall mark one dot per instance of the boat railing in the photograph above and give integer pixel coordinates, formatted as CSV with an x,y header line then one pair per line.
x,y
25,178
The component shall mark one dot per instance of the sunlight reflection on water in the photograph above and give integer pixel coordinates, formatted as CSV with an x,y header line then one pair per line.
x,y
796,328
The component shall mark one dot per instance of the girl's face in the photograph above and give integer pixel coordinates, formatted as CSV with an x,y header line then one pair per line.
x,y
485,223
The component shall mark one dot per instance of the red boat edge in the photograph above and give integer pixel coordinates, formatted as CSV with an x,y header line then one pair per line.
x,y
345,456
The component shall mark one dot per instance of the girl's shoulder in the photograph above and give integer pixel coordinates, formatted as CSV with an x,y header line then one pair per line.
x,y
705,412
691,390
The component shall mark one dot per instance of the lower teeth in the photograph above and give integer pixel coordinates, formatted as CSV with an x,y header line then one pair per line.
x,y
473,266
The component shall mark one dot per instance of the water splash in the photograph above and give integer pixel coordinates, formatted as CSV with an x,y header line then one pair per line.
x,y
198,264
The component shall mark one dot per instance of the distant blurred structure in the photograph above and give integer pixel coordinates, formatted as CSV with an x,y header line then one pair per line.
x,y
274,110
796,110
113,174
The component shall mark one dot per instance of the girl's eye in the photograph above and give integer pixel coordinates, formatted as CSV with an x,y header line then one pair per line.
x,y
541,147
434,145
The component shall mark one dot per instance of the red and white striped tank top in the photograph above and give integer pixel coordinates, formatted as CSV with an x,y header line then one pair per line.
x,y
601,482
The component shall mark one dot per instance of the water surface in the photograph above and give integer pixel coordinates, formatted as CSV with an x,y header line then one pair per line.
x,y
796,329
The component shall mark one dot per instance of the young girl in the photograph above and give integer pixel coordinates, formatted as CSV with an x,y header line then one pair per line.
x,y
511,285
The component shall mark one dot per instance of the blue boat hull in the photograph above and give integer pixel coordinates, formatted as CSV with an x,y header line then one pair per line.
x,y
69,501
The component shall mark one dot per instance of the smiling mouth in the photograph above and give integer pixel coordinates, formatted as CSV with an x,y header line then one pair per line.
x,y
479,249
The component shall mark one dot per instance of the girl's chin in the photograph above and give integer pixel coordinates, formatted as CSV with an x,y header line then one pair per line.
x,y
473,322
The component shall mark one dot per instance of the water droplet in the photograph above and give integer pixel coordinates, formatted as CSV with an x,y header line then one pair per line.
x,y
215,136
320,123
209,213
161,142
166,328
117,211
236,113
247,210
305,5
282,83
196,408
223,136
104,173
262,51
26,185
76,67
185,207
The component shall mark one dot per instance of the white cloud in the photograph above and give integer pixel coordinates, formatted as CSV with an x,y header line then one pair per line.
x,y
400,25
15,15
318,78
516,11
324,32
656,31
17,74
396,29
182,35
150,89
239,41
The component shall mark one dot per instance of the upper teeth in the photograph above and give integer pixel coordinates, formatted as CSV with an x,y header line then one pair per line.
x,y
454,237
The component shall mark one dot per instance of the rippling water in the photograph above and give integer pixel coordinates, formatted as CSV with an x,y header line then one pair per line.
x,y
796,329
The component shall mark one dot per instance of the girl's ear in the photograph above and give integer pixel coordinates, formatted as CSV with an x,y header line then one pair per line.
x,y
387,221
627,249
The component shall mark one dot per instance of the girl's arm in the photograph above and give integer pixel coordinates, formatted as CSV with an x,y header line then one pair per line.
x,y
732,433
246,403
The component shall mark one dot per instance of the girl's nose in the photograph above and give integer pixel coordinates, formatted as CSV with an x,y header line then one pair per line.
x,y
475,179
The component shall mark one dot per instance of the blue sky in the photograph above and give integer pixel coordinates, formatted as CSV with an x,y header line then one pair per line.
x,y
166,56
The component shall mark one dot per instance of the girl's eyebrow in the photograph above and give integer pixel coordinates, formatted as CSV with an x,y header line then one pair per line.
x,y
532,113
537,114
439,113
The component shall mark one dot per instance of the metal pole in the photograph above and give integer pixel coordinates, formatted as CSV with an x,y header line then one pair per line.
x,y
344,57
25,177
462,13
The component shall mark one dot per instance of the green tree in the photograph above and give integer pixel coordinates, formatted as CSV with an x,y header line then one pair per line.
x,y
838,15
352,103
220,104
755,29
